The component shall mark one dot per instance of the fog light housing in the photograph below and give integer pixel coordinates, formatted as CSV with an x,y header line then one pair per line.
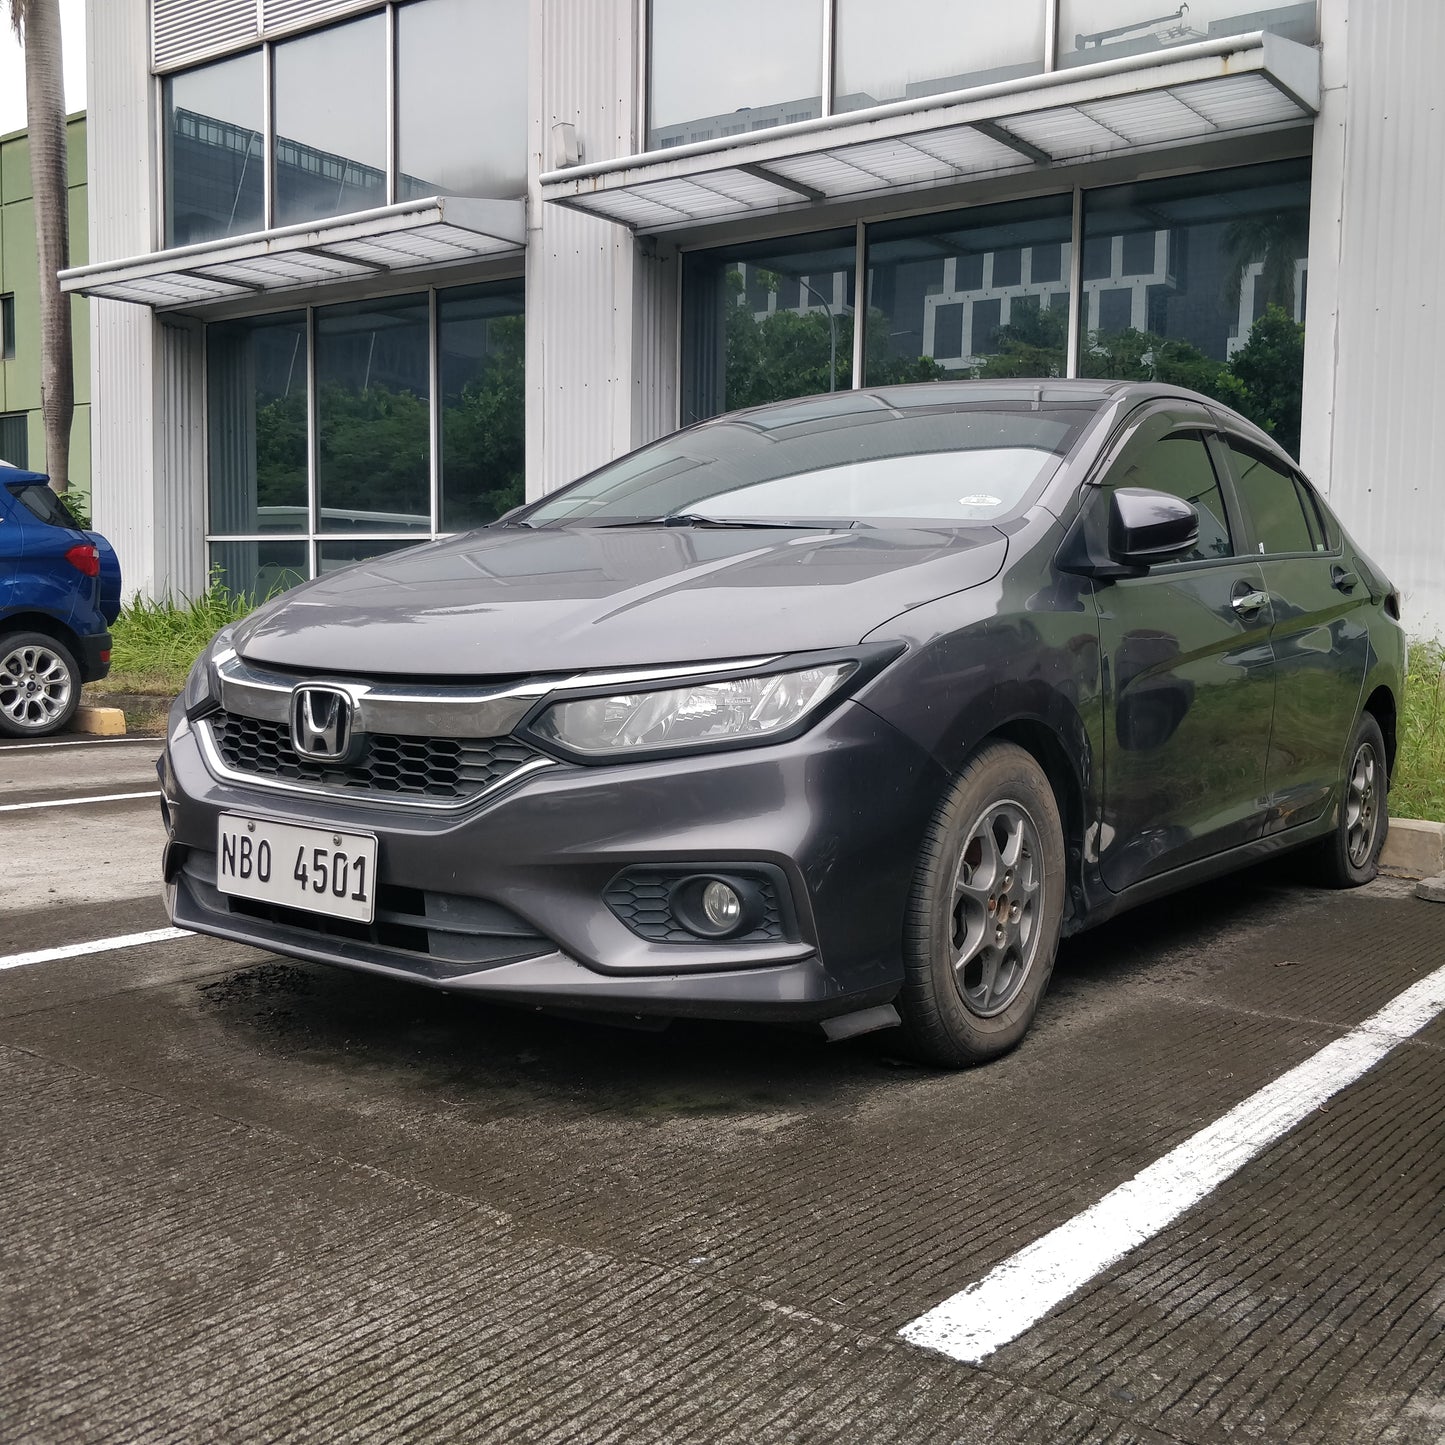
x,y
711,906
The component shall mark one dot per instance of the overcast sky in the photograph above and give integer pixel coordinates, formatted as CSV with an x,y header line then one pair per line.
x,y
12,65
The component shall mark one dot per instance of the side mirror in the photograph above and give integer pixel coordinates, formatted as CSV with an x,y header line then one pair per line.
x,y
1147,527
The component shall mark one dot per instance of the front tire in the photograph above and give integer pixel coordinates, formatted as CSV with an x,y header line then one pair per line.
x,y
39,685
1350,855
984,918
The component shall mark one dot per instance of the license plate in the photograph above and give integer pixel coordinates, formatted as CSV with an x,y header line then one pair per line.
x,y
315,869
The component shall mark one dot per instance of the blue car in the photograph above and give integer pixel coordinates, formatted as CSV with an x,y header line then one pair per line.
x,y
59,593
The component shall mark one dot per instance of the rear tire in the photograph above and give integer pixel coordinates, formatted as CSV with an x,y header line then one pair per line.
x,y
39,685
1350,855
984,918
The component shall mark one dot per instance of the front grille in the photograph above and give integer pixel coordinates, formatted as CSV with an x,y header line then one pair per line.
x,y
440,769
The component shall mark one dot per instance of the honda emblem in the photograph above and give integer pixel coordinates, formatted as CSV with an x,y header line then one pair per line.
x,y
322,728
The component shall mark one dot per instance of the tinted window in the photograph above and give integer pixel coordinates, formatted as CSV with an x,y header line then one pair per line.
x,y
846,458
40,500
1271,501
1180,465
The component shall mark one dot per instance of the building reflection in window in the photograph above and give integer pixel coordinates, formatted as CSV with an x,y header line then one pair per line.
x,y
1094,30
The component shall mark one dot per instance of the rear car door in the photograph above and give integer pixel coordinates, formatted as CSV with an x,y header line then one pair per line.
x,y
1190,675
1320,633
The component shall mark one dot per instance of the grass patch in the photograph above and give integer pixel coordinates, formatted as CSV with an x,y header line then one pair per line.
x,y
153,644
1418,787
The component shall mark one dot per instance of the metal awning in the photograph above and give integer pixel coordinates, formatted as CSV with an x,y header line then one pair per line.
x,y
1141,102
412,235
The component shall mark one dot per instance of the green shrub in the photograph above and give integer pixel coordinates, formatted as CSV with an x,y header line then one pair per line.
x,y
1418,787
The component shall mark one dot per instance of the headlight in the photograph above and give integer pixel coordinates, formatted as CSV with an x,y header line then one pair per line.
x,y
202,691
698,715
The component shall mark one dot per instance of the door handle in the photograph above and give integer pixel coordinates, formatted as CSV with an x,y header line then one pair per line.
x,y
1247,602
1341,580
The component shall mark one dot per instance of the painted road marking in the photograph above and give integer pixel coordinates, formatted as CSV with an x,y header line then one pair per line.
x,y
1018,1293
77,743
75,802
96,945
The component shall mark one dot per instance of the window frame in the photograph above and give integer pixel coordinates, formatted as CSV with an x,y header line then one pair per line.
x,y
1227,441
7,326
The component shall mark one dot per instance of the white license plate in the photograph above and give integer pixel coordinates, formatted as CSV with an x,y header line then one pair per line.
x,y
315,869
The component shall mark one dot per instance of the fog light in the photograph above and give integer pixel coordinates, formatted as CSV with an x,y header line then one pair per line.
x,y
722,906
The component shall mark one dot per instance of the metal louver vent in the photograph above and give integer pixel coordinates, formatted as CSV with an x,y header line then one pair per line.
x,y
280,15
183,30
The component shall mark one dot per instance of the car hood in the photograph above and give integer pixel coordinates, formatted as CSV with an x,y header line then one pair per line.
x,y
511,602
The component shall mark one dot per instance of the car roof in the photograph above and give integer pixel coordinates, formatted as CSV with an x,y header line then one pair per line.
x,y
1087,392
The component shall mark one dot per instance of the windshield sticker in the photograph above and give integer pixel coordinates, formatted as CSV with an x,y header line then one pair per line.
x,y
980,501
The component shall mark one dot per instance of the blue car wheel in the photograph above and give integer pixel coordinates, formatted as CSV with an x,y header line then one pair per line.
x,y
39,685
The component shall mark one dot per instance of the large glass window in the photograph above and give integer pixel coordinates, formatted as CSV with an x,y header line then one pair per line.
x,y
256,424
766,322
910,48
720,70
373,427
481,344
331,122
321,455
982,292
1200,281
460,133
215,151
1094,30
460,120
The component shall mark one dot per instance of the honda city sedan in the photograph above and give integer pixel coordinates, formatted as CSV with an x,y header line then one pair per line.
x,y
840,710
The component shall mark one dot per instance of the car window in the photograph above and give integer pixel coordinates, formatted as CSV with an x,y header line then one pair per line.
x,y
1180,465
37,498
1272,502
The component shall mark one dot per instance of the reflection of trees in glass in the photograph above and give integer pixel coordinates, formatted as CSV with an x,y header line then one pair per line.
x,y
374,448
786,355
1034,343
483,441
281,452
1278,240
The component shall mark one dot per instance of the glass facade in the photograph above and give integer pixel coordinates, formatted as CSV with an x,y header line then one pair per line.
x,y
911,48
982,292
767,321
1198,281
331,138
456,137
215,151
717,71
458,131
320,427
1094,30
720,70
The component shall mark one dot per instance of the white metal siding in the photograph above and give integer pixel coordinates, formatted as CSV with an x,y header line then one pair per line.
x,y
581,272
1387,465
183,29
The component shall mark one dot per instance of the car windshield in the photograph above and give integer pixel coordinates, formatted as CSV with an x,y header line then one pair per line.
x,y
36,497
834,461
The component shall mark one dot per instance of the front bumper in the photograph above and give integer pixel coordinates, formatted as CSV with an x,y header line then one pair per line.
x,y
506,899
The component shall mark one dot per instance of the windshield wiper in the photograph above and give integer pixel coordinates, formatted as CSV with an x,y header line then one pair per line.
x,y
697,519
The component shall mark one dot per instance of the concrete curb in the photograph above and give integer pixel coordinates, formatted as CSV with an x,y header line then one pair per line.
x,y
103,722
1414,849
1432,890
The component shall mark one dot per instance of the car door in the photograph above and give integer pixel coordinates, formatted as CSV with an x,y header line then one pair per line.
x,y
1320,635
1190,675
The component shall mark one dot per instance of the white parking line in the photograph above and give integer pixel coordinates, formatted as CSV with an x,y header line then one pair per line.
x,y
95,945
1018,1293
77,743
75,802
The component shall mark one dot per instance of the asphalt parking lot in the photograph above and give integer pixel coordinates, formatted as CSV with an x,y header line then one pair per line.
x,y
246,1198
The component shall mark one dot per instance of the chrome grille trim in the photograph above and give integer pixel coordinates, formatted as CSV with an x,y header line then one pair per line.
x,y
357,797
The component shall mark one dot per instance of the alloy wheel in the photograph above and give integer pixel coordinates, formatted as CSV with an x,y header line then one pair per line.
x,y
997,903
1362,808
35,686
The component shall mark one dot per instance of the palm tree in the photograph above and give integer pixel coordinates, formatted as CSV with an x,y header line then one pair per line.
x,y
1278,239
37,24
